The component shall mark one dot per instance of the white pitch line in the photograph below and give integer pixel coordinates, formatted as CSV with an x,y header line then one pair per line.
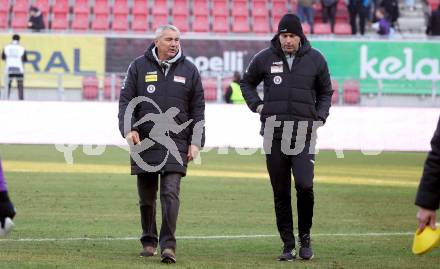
x,y
200,237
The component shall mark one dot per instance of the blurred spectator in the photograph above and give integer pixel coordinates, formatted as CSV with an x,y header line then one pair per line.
x,y
306,11
383,23
358,8
329,8
392,9
433,28
36,22
233,93
15,56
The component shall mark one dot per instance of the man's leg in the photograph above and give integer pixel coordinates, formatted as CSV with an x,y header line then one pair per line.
x,y
169,198
20,79
278,166
352,11
303,172
9,86
147,185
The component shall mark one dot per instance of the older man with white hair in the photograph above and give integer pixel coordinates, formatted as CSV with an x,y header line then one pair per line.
x,y
161,115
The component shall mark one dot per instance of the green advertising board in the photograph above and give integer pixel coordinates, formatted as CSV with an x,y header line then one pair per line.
x,y
405,67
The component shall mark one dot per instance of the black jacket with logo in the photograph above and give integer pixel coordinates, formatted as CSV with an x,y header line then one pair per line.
x,y
428,195
181,88
300,94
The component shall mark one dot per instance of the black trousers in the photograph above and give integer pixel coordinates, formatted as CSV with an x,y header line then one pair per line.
x,y
354,12
329,15
19,78
169,198
280,166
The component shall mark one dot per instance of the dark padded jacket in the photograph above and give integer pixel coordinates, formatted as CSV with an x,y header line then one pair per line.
x,y
428,195
182,89
300,94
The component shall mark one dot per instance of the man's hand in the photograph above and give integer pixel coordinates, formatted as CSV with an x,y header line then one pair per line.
x,y
426,217
193,152
133,138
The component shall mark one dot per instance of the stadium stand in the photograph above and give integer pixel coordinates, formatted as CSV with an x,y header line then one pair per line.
x,y
335,88
90,86
108,81
217,16
210,87
351,92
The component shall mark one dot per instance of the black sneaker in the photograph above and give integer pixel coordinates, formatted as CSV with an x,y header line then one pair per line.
x,y
305,250
288,255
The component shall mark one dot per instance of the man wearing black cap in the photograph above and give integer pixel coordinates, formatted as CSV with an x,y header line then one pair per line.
x,y
297,98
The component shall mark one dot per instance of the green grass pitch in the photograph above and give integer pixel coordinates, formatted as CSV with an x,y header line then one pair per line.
x,y
85,215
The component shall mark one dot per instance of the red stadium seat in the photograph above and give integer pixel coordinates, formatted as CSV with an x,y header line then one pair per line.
x,y
322,28
239,8
210,87
81,7
108,81
100,23
4,6
80,22
200,7
160,7
19,21
3,20
180,8
140,7
342,15
261,25
101,7
240,24
335,88
342,29
351,92
159,20
260,9
306,28
220,8
90,88
181,22
140,23
120,7
59,21
43,6
61,6
201,24
278,10
220,24
20,6
120,22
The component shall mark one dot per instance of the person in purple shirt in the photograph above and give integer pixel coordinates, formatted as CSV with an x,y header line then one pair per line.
x,y
7,210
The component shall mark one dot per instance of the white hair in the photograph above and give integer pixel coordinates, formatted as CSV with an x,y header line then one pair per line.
x,y
163,28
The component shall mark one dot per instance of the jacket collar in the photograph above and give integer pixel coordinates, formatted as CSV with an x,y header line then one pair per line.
x,y
150,53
